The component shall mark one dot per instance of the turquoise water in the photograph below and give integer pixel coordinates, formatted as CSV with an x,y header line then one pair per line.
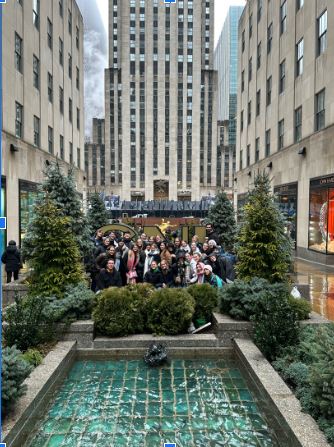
x,y
125,403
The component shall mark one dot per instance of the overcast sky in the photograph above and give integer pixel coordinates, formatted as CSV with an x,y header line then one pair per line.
x,y
221,8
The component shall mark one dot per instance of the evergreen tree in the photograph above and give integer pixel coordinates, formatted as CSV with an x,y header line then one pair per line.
x,y
62,191
97,214
263,249
221,215
54,255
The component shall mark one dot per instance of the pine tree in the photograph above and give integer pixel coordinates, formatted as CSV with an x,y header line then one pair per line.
x,y
221,215
54,254
263,248
62,191
97,214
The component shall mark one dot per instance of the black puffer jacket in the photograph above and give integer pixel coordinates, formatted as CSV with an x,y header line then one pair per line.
x,y
154,277
11,257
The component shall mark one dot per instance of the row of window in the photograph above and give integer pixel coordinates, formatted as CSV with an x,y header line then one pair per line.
x,y
319,124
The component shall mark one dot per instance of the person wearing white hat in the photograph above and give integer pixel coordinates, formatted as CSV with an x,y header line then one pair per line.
x,y
211,278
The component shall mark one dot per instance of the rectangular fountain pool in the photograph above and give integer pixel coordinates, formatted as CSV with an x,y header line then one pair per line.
x,y
125,403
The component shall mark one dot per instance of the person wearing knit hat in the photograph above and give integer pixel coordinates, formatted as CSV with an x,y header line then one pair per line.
x,y
211,278
12,258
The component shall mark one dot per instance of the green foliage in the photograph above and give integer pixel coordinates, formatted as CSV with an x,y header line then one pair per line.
x,y
301,307
54,254
14,371
28,323
97,215
275,324
222,217
33,357
263,249
308,368
170,311
119,312
76,304
206,301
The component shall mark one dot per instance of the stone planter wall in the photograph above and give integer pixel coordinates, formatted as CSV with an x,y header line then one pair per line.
x,y
10,290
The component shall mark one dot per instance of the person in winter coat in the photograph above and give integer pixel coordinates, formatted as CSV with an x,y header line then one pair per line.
x,y
200,272
218,266
109,277
211,278
167,274
154,276
12,258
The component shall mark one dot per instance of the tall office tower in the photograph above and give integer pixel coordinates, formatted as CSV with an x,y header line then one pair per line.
x,y
43,101
95,157
161,100
286,115
226,64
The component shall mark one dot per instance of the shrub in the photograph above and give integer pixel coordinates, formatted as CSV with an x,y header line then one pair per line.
x,y
301,307
275,323
170,311
119,312
76,304
14,371
33,357
28,323
205,298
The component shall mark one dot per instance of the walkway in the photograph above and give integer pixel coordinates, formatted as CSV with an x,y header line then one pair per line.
x,y
321,280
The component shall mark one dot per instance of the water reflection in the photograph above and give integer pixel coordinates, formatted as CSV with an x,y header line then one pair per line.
x,y
321,281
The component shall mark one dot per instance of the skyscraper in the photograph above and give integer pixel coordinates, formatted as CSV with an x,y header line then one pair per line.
x,y
160,100
226,64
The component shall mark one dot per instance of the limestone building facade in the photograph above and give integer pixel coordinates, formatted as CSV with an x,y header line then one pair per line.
x,y
286,115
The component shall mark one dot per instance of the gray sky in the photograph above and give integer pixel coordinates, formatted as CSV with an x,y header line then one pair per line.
x,y
221,8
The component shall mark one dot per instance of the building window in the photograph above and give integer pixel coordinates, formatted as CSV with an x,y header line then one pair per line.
x,y
269,87
77,37
322,33
267,143
320,110
35,13
269,38
36,72
240,161
258,102
298,124
61,8
18,120
259,9
18,53
282,77
243,80
50,87
77,78
283,12
78,157
250,25
243,41
61,52
36,131
71,153
70,111
248,155
257,150
61,147
78,118
242,121
258,58
61,100
250,70
300,4
49,31
300,57
70,66
249,113
50,139
281,134
69,21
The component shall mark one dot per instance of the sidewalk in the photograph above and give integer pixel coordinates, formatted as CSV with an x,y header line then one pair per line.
x,y
321,281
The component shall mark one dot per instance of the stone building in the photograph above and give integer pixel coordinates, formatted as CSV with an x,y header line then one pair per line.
x,y
286,115
95,165
161,100
43,103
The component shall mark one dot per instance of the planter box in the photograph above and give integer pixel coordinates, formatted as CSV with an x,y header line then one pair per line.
x,y
80,331
10,290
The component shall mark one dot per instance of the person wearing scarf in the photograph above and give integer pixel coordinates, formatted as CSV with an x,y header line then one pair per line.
x,y
200,272
154,276
131,264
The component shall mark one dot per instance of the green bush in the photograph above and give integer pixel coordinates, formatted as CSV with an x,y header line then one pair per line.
x,y
76,304
206,300
28,323
170,311
119,312
275,323
33,357
14,371
301,307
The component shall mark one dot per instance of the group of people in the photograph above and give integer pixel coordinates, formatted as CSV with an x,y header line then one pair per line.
x,y
169,262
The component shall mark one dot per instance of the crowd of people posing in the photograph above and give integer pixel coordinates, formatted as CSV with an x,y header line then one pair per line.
x,y
161,262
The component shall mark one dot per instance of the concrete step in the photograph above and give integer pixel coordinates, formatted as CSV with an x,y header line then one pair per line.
x,y
144,340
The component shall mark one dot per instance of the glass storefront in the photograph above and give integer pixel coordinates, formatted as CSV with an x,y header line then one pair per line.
x,y
321,215
28,195
287,198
